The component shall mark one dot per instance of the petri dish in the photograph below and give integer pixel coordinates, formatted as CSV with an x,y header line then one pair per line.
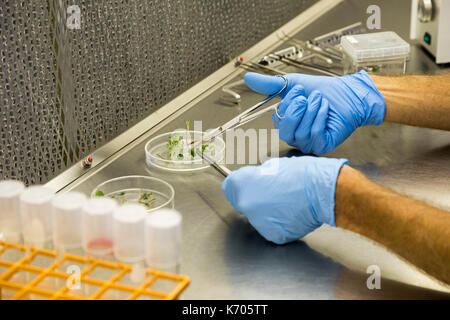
x,y
151,192
157,153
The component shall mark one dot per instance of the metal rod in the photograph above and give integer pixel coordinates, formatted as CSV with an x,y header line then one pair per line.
x,y
274,70
220,168
260,68
316,55
319,50
311,46
305,66
228,90
258,114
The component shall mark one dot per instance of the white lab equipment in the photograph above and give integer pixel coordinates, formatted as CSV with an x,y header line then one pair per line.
x,y
97,225
10,222
163,239
36,216
67,218
430,25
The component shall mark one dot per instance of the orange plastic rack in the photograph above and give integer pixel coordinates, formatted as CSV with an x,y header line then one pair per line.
x,y
30,273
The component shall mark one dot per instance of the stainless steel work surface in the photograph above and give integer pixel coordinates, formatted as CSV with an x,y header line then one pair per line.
x,y
226,258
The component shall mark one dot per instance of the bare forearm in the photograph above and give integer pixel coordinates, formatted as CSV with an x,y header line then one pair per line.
x,y
422,101
414,230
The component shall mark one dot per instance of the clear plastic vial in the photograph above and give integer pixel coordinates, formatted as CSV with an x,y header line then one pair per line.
x,y
97,226
10,222
163,239
36,216
128,232
67,218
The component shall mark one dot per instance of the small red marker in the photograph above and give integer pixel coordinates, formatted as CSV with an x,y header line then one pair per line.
x,y
241,59
87,162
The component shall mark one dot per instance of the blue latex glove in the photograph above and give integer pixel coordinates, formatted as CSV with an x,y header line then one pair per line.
x,y
320,112
289,204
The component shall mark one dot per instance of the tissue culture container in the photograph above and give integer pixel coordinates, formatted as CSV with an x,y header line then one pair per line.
x,y
158,151
151,192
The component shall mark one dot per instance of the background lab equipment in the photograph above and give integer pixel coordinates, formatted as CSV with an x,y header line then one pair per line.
x,y
430,22
133,72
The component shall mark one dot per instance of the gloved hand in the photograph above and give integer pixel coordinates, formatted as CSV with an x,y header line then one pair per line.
x,y
320,112
285,206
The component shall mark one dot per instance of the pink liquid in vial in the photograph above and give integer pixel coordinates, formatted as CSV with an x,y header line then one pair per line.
x,y
100,245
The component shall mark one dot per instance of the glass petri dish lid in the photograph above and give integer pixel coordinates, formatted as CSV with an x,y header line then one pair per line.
x,y
172,151
151,192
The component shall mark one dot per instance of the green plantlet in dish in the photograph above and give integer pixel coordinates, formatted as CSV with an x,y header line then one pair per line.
x,y
145,195
174,145
99,193
119,196
146,199
178,146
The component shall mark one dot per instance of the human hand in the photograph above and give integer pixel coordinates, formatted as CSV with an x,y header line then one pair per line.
x,y
285,206
319,112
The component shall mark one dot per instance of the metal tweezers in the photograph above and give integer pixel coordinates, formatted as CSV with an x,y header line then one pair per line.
x,y
244,117
220,168
247,115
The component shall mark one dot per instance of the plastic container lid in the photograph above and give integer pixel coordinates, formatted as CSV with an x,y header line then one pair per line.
x,y
67,217
36,215
97,225
163,239
375,46
10,222
128,232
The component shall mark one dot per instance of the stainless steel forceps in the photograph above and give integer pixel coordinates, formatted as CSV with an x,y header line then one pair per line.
x,y
247,115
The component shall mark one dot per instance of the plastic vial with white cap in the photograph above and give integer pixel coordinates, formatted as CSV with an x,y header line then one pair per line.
x,y
128,232
67,217
10,222
163,239
36,216
97,225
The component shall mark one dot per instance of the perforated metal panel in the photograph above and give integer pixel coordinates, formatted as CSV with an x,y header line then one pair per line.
x,y
66,92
